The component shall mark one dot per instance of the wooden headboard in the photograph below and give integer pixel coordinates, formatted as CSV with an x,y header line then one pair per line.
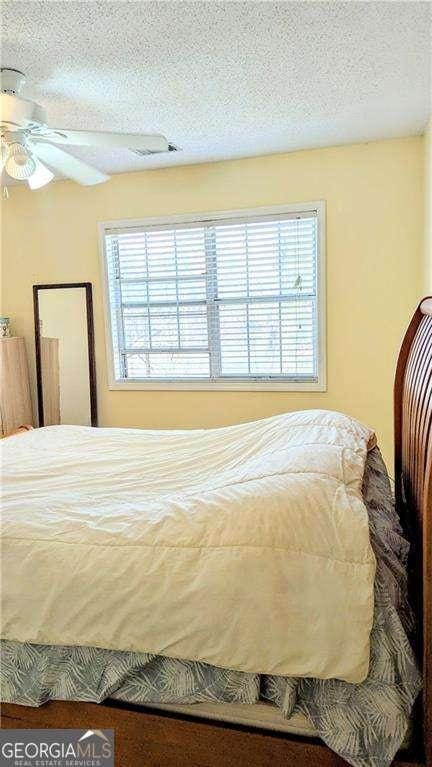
x,y
413,478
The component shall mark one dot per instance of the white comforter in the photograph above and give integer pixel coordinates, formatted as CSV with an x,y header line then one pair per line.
x,y
245,547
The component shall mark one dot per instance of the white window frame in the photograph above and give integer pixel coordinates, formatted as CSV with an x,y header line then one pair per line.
x,y
211,384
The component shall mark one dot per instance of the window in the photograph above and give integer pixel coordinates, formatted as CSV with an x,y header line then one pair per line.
x,y
228,301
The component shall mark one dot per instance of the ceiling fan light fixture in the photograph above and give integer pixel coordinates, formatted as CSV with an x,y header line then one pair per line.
x,y
41,176
19,164
3,151
26,139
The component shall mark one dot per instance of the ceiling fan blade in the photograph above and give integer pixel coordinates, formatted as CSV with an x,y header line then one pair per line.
x,y
149,143
41,176
68,165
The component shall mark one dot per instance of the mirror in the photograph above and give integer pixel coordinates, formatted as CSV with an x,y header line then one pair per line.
x,y
65,364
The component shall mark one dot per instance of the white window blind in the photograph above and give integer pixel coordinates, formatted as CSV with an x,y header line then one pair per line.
x,y
224,300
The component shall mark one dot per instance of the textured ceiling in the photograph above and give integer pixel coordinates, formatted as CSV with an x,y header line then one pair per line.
x,y
224,79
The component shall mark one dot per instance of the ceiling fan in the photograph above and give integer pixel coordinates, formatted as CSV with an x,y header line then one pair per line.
x,y
28,145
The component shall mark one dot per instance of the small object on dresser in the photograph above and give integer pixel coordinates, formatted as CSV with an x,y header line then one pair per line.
x,y
4,327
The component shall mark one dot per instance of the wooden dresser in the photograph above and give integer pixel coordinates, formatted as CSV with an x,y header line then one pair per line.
x,y
15,400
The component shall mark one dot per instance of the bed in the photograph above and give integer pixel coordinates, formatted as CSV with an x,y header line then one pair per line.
x,y
215,735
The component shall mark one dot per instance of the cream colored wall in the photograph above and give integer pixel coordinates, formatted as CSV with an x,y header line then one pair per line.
x,y
427,278
374,196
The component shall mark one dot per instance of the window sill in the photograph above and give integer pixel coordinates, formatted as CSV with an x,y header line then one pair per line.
x,y
294,386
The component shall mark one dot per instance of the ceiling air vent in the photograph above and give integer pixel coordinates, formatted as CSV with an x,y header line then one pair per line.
x,y
146,152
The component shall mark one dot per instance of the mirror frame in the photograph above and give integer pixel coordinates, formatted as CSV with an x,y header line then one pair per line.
x,y
90,344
